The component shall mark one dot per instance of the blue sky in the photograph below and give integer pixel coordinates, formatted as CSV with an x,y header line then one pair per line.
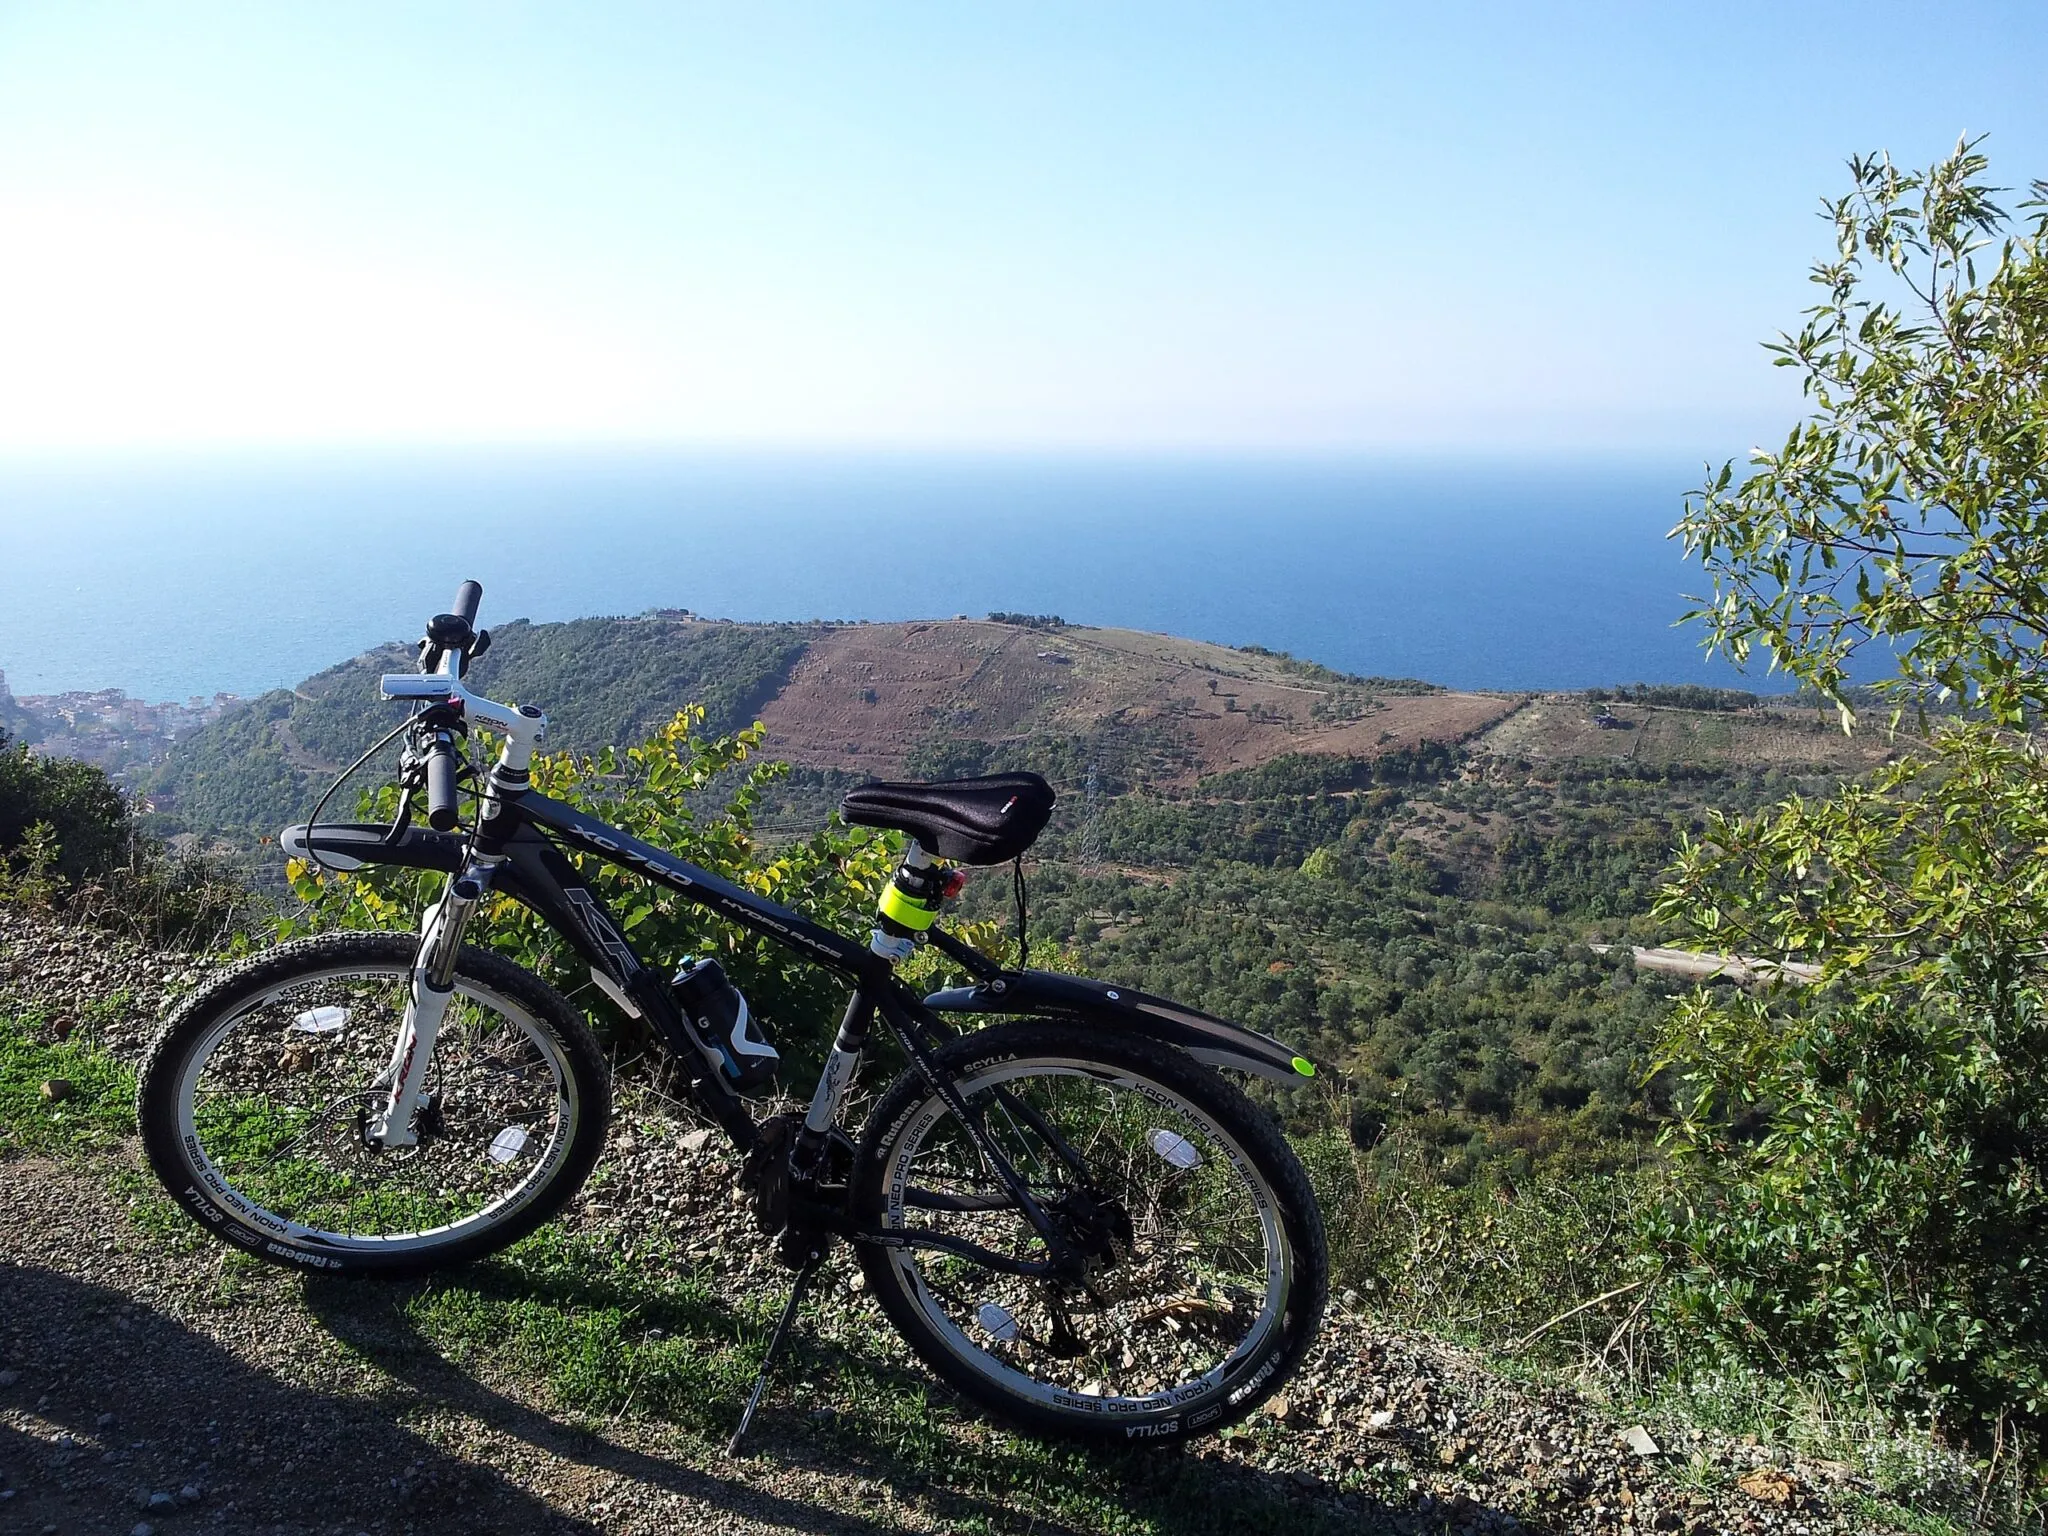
x,y
1284,227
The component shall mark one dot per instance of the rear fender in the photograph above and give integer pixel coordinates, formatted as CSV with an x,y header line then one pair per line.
x,y
1210,1040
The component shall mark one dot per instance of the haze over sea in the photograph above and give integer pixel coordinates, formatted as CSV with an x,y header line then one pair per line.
x,y
175,577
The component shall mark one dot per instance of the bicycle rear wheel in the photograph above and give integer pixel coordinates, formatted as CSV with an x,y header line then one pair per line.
x,y
1206,1270
254,1102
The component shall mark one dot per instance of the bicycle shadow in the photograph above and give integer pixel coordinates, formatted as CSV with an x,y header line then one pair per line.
x,y
899,1431
255,1451
370,1317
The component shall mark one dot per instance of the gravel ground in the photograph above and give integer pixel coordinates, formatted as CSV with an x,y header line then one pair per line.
x,y
140,1386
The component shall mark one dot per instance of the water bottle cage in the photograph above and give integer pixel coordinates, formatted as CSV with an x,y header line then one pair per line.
x,y
731,1038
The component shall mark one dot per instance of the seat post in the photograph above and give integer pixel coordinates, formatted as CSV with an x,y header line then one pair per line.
x,y
909,903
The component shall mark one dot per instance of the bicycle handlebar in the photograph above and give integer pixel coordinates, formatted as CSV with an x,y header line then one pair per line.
x,y
441,801
451,639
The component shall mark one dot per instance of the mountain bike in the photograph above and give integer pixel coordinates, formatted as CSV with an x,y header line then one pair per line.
x,y
1061,1204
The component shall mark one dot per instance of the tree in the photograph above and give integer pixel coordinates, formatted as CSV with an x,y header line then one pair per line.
x,y
1910,509
75,804
1865,1157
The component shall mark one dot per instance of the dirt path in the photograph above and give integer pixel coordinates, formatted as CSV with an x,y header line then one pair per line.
x,y
186,1392
294,1407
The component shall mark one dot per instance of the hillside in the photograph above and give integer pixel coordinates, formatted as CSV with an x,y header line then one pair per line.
x,y
861,699
887,698
1401,878
600,680
1439,897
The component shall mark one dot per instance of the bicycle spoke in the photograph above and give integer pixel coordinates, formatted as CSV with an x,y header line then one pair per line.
x,y
1182,1252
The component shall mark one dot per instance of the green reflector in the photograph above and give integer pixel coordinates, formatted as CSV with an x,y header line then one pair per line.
x,y
1304,1066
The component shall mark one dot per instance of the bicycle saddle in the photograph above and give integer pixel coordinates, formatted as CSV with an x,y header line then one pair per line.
x,y
970,821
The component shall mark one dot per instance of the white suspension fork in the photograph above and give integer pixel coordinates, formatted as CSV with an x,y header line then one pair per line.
x,y
432,988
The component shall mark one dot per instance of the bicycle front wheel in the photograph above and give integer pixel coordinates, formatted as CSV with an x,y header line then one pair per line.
x,y
255,1101
1204,1269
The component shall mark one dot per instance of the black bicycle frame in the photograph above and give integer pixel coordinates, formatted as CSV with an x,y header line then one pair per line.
x,y
536,873
513,852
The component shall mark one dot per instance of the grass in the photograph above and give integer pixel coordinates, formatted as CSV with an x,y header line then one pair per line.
x,y
650,1337
1906,1466
37,1049
611,1337
611,1334
1488,1266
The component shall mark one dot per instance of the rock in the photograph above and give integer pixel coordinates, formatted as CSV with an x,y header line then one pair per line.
x,y
190,1493
1639,1441
104,1421
9,1378
697,1140
1769,1485
57,1089
1380,1418
159,1502
1278,1408
143,1528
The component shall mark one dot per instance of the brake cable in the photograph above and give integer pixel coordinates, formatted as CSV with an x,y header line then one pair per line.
x,y
320,805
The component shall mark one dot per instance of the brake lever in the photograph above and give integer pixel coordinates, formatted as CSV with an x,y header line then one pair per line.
x,y
402,822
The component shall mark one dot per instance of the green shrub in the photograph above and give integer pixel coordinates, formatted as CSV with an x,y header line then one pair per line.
x,y
79,806
1864,1159
695,797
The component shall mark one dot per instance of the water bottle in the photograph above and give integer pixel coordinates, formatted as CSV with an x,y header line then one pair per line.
x,y
733,1040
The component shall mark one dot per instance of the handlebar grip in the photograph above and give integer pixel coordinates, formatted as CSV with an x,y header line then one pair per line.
x,y
468,598
441,798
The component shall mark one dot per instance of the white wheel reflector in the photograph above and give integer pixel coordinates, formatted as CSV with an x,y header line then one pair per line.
x,y
320,1021
1175,1148
996,1323
508,1144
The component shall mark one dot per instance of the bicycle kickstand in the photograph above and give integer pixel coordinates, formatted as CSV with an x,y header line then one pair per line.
x,y
775,1343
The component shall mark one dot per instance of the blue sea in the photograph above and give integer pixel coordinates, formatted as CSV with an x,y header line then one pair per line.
x,y
174,577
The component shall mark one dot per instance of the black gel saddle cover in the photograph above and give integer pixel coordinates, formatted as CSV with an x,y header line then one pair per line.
x,y
971,821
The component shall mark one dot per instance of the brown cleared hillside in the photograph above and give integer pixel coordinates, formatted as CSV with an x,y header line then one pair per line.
x,y
864,697
1556,727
